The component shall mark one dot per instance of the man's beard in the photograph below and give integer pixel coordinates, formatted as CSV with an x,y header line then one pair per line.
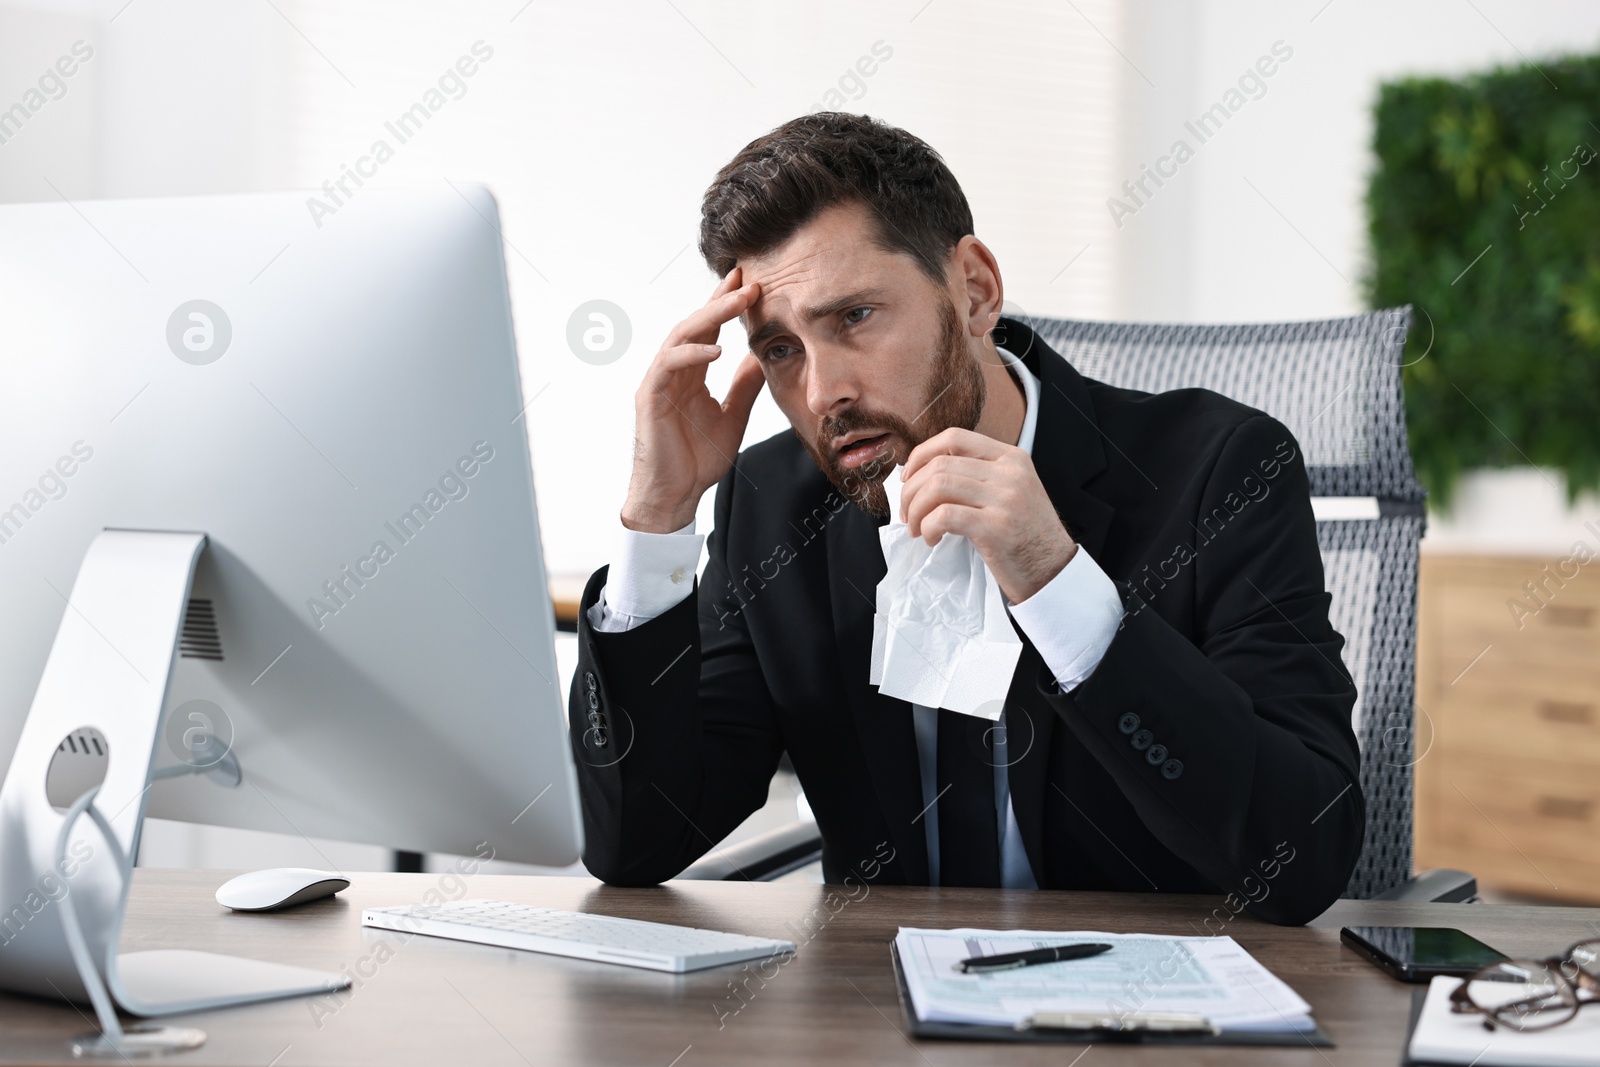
x,y
954,397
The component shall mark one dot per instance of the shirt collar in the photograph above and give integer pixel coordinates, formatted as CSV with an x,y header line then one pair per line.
x,y
1030,396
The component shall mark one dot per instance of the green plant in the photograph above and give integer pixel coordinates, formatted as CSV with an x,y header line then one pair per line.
x,y
1508,162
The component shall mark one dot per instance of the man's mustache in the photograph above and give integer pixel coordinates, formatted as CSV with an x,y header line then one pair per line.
x,y
855,420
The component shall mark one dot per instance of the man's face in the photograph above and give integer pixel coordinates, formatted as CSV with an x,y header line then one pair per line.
x,y
862,352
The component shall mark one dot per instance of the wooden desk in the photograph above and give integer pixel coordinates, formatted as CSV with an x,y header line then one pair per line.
x,y
445,1002
566,595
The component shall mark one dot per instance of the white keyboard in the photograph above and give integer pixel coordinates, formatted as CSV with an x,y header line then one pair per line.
x,y
631,942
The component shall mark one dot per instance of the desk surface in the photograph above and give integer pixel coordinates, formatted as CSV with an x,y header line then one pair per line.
x,y
566,596
432,1001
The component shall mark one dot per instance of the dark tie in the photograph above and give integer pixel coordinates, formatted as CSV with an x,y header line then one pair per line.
x,y
969,843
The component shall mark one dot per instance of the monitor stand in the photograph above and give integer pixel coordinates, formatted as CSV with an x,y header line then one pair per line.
x,y
65,875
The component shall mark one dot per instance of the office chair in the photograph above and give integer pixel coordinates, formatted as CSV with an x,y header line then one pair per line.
x,y
1336,385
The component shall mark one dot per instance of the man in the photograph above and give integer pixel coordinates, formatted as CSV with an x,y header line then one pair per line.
x,y
1179,719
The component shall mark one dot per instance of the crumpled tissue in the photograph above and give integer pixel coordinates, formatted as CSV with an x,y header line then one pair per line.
x,y
941,636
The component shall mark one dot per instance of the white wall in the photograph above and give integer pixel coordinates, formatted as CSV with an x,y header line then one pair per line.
x,y
60,142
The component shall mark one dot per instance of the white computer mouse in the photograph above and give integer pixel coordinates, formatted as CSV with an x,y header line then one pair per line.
x,y
278,887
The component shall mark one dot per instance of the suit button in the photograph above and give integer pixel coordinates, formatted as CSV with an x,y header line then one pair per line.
x,y
594,718
594,701
600,738
589,682
1171,769
1141,740
1128,723
1156,754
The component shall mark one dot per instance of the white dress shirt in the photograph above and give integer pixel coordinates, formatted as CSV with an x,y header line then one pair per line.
x,y
1071,621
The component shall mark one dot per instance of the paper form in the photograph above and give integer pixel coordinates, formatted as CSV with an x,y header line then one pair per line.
x,y
1210,976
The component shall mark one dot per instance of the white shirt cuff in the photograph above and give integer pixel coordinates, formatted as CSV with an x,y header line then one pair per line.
x,y
652,574
1073,619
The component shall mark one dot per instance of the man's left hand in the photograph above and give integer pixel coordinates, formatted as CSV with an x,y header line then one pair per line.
x,y
966,483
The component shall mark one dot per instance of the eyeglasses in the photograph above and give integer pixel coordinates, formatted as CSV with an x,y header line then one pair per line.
x,y
1549,991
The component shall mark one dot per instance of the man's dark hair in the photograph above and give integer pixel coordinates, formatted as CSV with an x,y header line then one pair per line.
x,y
781,180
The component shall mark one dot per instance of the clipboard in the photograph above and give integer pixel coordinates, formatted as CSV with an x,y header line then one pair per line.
x,y
917,1027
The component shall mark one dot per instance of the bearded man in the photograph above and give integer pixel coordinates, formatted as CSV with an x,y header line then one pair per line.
x,y
1178,719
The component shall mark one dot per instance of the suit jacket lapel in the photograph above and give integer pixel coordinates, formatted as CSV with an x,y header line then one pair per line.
x,y
1068,451
1068,447
883,724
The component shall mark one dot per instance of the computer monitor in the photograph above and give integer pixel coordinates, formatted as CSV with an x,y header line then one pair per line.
x,y
333,400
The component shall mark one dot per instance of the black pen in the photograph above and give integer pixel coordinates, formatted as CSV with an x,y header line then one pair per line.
x,y
1006,961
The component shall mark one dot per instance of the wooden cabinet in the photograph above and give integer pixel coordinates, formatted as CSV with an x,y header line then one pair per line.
x,y
1508,722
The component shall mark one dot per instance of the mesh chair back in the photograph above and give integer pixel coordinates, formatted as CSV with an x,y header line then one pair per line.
x,y
1336,385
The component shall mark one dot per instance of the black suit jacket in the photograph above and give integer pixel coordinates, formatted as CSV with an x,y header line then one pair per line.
x,y
1197,506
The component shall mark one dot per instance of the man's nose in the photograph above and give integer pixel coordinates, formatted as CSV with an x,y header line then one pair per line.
x,y
831,383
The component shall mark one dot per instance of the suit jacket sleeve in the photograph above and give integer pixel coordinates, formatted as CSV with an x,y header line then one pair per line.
x,y
1258,786
686,744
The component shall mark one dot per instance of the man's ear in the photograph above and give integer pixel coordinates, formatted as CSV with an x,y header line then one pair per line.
x,y
978,289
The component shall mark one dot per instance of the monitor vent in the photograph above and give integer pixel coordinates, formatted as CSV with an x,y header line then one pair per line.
x,y
200,638
78,766
85,742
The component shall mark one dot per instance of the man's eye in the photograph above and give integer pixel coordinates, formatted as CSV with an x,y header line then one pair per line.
x,y
856,315
777,352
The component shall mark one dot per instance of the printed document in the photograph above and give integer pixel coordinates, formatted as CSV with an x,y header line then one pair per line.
x,y
1143,973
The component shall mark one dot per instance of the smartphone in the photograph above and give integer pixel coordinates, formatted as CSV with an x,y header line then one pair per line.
x,y
1417,953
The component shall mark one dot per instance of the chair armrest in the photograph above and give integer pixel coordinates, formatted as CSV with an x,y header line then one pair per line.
x,y
761,858
1442,886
